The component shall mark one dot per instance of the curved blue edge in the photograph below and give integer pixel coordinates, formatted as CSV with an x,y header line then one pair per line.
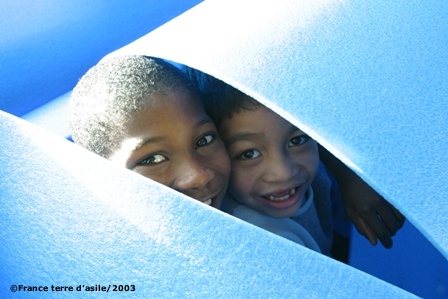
x,y
422,63
363,78
70,218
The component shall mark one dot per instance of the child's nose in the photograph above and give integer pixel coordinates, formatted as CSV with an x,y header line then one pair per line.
x,y
280,167
193,174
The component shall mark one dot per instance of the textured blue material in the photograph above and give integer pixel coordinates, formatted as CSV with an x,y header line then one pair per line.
x,y
46,46
365,78
71,218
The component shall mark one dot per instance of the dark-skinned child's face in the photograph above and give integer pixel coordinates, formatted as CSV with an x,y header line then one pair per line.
x,y
174,142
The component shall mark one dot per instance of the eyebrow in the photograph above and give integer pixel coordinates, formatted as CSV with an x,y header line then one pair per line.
x,y
150,140
144,142
240,137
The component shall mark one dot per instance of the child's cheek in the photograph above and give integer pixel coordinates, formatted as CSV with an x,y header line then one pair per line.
x,y
239,181
218,159
316,159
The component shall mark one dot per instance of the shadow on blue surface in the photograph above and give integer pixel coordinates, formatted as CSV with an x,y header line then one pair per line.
x,y
412,264
71,218
363,78
354,76
328,67
46,46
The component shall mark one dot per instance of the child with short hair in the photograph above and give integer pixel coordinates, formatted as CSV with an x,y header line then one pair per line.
x,y
277,180
144,114
274,165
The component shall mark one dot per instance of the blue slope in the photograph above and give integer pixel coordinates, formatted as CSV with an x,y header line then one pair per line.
x,y
366,79
70,218
46,46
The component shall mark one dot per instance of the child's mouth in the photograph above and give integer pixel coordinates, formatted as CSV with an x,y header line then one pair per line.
x,y
281,196
210,200
284,199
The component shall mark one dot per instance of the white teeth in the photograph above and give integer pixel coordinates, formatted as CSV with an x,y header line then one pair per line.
x,y
284,197
208,202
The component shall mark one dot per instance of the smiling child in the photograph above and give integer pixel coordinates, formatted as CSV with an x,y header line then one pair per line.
x,y
280,181
142,113
274,165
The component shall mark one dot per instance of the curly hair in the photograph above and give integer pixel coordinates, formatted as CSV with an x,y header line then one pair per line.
x,y
111,93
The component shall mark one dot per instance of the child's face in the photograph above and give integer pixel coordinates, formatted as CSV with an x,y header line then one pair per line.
x,y
175,143
273,162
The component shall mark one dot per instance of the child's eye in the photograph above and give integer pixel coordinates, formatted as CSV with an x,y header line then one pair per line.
x,y
249,154
154,159
298,140
203,141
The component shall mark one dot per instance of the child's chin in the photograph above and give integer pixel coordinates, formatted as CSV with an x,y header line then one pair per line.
x,y
287,213
284,212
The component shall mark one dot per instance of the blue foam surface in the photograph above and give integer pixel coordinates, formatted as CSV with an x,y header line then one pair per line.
x,y
71,218
46,46
366,79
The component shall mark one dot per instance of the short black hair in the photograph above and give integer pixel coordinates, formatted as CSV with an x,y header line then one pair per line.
x,y
221,100
111,93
